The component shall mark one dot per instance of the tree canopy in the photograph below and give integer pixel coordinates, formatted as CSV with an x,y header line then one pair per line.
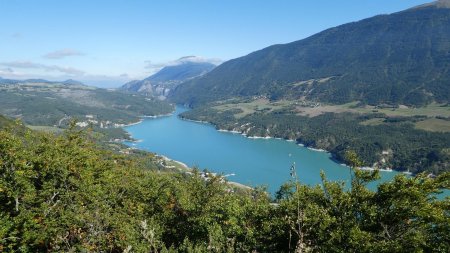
x,y
64,193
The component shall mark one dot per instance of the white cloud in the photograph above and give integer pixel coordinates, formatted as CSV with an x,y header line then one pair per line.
x,y
184,59
62,53
6,71
22,64
66,70
48,68
9,73
22,70
150,65
154,67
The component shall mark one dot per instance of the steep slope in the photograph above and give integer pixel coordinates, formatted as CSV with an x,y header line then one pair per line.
x,y
162,82
402,58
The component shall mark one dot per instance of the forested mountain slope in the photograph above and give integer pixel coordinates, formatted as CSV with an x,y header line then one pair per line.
x,y
401,58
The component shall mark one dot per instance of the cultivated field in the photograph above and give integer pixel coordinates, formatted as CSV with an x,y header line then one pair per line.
x,y
313,109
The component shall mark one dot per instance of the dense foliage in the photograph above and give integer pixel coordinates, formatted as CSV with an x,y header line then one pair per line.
x,y
64,194
407,148
402,58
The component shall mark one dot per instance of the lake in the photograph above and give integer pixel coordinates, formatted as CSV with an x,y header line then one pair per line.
x,y
248,161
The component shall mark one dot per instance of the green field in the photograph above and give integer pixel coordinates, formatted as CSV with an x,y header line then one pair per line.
x,y
312,109
432,110
434,125
251,106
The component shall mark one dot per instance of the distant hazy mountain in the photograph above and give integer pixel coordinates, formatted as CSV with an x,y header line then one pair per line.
x,y
72,82
162,82
402,58
36,81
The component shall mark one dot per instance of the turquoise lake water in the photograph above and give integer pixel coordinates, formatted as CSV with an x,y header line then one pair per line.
x,y
253,162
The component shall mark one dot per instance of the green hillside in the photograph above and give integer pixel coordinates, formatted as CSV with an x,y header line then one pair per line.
x,y
401,139
42,103
402,58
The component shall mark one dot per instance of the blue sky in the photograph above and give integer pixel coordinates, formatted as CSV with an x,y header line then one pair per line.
x,y
106,43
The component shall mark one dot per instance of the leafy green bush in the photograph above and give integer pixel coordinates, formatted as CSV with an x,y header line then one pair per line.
x,y
65,194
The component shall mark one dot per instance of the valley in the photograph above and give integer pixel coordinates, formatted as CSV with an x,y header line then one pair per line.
x,y
290,126
250,161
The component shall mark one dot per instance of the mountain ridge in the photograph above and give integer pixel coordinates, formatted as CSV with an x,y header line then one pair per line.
x,y
32,80
400,58
437,4
166,79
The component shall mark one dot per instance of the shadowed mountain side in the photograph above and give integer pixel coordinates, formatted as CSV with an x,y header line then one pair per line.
x,y
162,82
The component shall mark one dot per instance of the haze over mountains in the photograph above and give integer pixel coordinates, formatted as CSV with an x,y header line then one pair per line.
x,y
169,77
66,82
401,58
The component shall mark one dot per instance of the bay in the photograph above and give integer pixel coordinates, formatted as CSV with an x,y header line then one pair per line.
x,y
253,162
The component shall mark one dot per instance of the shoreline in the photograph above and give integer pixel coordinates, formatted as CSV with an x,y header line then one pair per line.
x,y
195,121
188,169
246,135
167,159
316,149
290,140
133,140
373,169
158,116
146,116
132,124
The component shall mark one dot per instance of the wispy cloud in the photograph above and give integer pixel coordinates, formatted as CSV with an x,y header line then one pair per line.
x,y
22,70
6,71
49,68
153,67
66,52
22,64
66,70
10,73
215,61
